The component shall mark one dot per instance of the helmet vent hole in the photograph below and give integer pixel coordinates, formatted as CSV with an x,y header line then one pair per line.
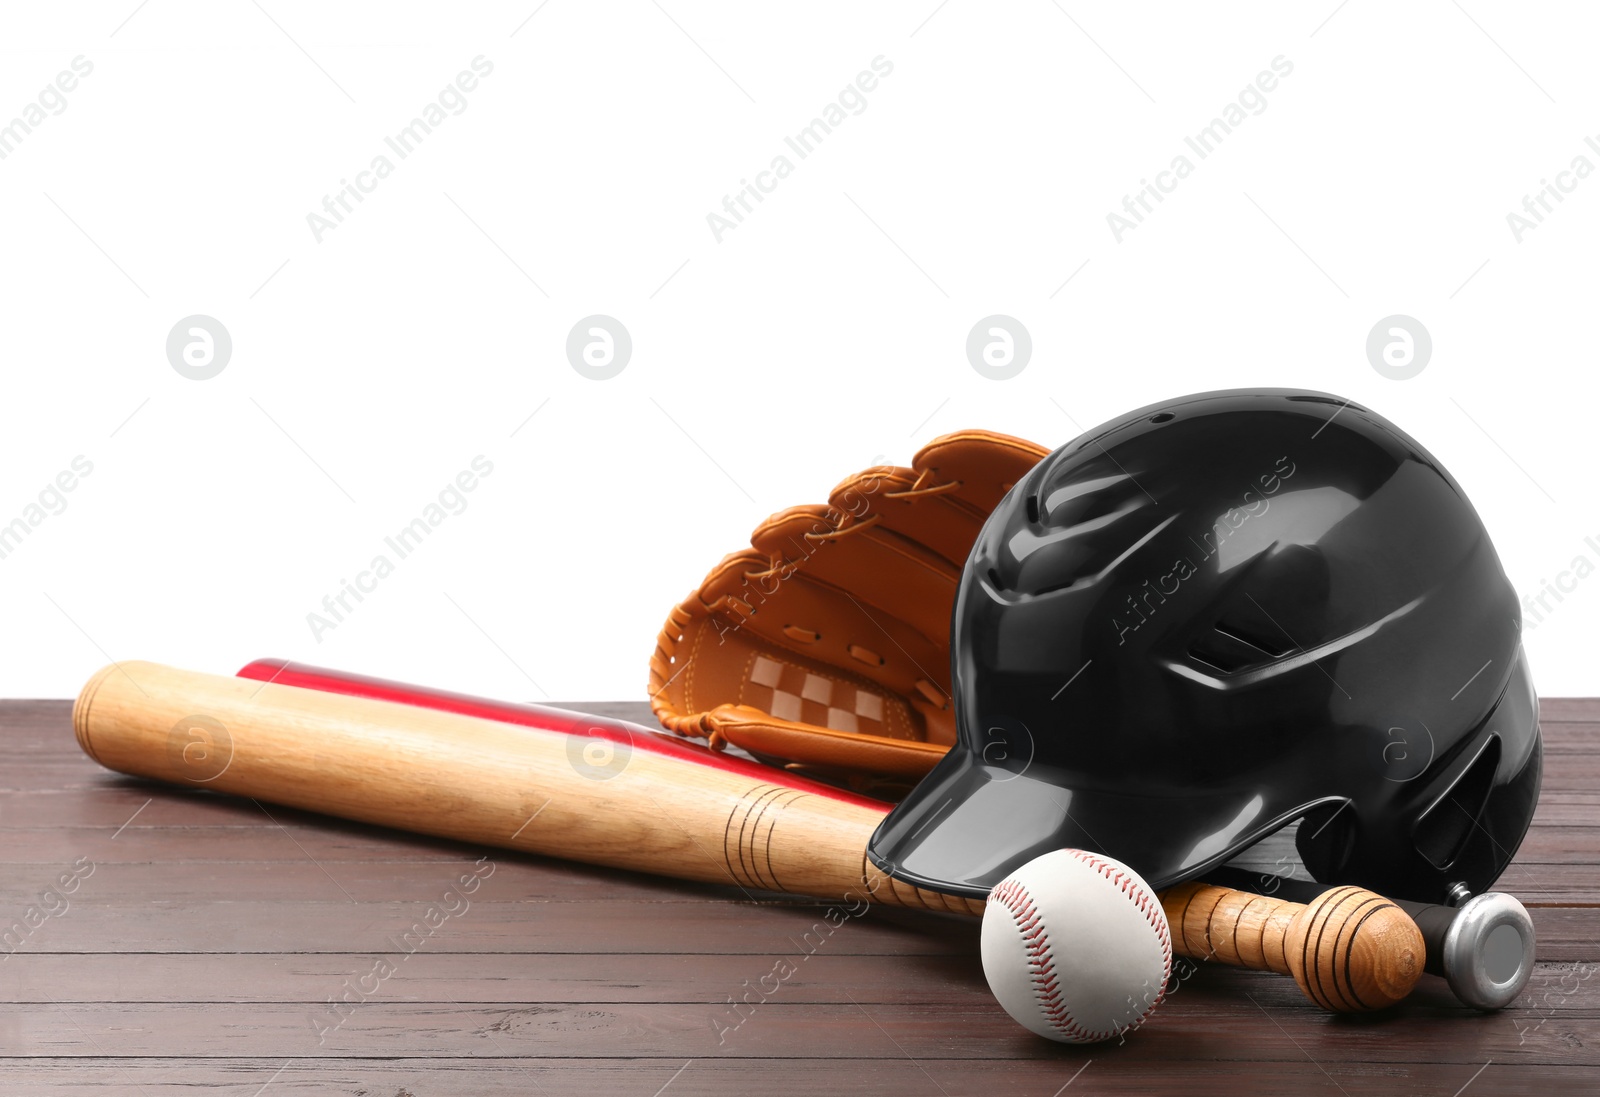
x,y
1443,829
1275,646
1033,509
1235,645
1163,417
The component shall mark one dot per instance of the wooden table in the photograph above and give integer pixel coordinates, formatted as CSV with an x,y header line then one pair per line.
x,y
170,941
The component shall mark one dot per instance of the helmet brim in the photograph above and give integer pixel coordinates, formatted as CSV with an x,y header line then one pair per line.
x,y
969,823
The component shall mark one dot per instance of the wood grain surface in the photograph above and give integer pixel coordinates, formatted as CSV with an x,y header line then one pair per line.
x,y
183,941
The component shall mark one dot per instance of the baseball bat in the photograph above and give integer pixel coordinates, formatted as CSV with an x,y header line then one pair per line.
x,y
1232,924
670,808
544,791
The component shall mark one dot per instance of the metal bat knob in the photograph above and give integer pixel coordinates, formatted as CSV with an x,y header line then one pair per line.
x,y
1483,948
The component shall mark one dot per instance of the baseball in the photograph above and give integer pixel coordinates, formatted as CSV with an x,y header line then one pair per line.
x,y
1076,947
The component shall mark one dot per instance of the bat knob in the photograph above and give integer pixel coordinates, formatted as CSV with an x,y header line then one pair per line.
x,y
1352,951
1488,951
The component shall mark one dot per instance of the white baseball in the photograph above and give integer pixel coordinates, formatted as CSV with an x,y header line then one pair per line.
x,y
1076,946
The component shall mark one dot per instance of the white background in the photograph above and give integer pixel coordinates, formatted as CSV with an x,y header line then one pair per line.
x,y
825,332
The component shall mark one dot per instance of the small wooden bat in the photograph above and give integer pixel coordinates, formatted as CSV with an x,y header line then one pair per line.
x,y
605,792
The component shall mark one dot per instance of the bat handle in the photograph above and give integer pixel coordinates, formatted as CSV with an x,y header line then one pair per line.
x,y
1349,950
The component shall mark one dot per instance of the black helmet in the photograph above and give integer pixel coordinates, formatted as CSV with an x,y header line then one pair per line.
x,y
1215,616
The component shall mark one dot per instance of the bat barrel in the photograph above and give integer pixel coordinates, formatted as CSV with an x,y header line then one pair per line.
x,y
618,799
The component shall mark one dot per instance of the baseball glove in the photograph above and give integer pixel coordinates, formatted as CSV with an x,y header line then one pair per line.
x,y
825,646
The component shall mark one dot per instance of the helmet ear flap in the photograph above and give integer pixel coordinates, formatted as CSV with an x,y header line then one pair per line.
x,y
1325,840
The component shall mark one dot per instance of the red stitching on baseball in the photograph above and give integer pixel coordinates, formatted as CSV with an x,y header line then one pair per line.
x,y
1041,964
1010,894
1147,904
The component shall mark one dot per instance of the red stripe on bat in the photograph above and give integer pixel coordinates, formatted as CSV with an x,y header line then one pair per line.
x,y
560,721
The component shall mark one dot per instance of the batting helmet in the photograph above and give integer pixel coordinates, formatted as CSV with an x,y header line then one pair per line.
x,y
1218,615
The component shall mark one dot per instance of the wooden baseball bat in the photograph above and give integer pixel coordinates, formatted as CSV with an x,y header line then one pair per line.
x,y
480,780
669,808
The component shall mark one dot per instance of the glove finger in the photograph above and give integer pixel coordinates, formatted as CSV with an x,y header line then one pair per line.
x,y
942,501
899,537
